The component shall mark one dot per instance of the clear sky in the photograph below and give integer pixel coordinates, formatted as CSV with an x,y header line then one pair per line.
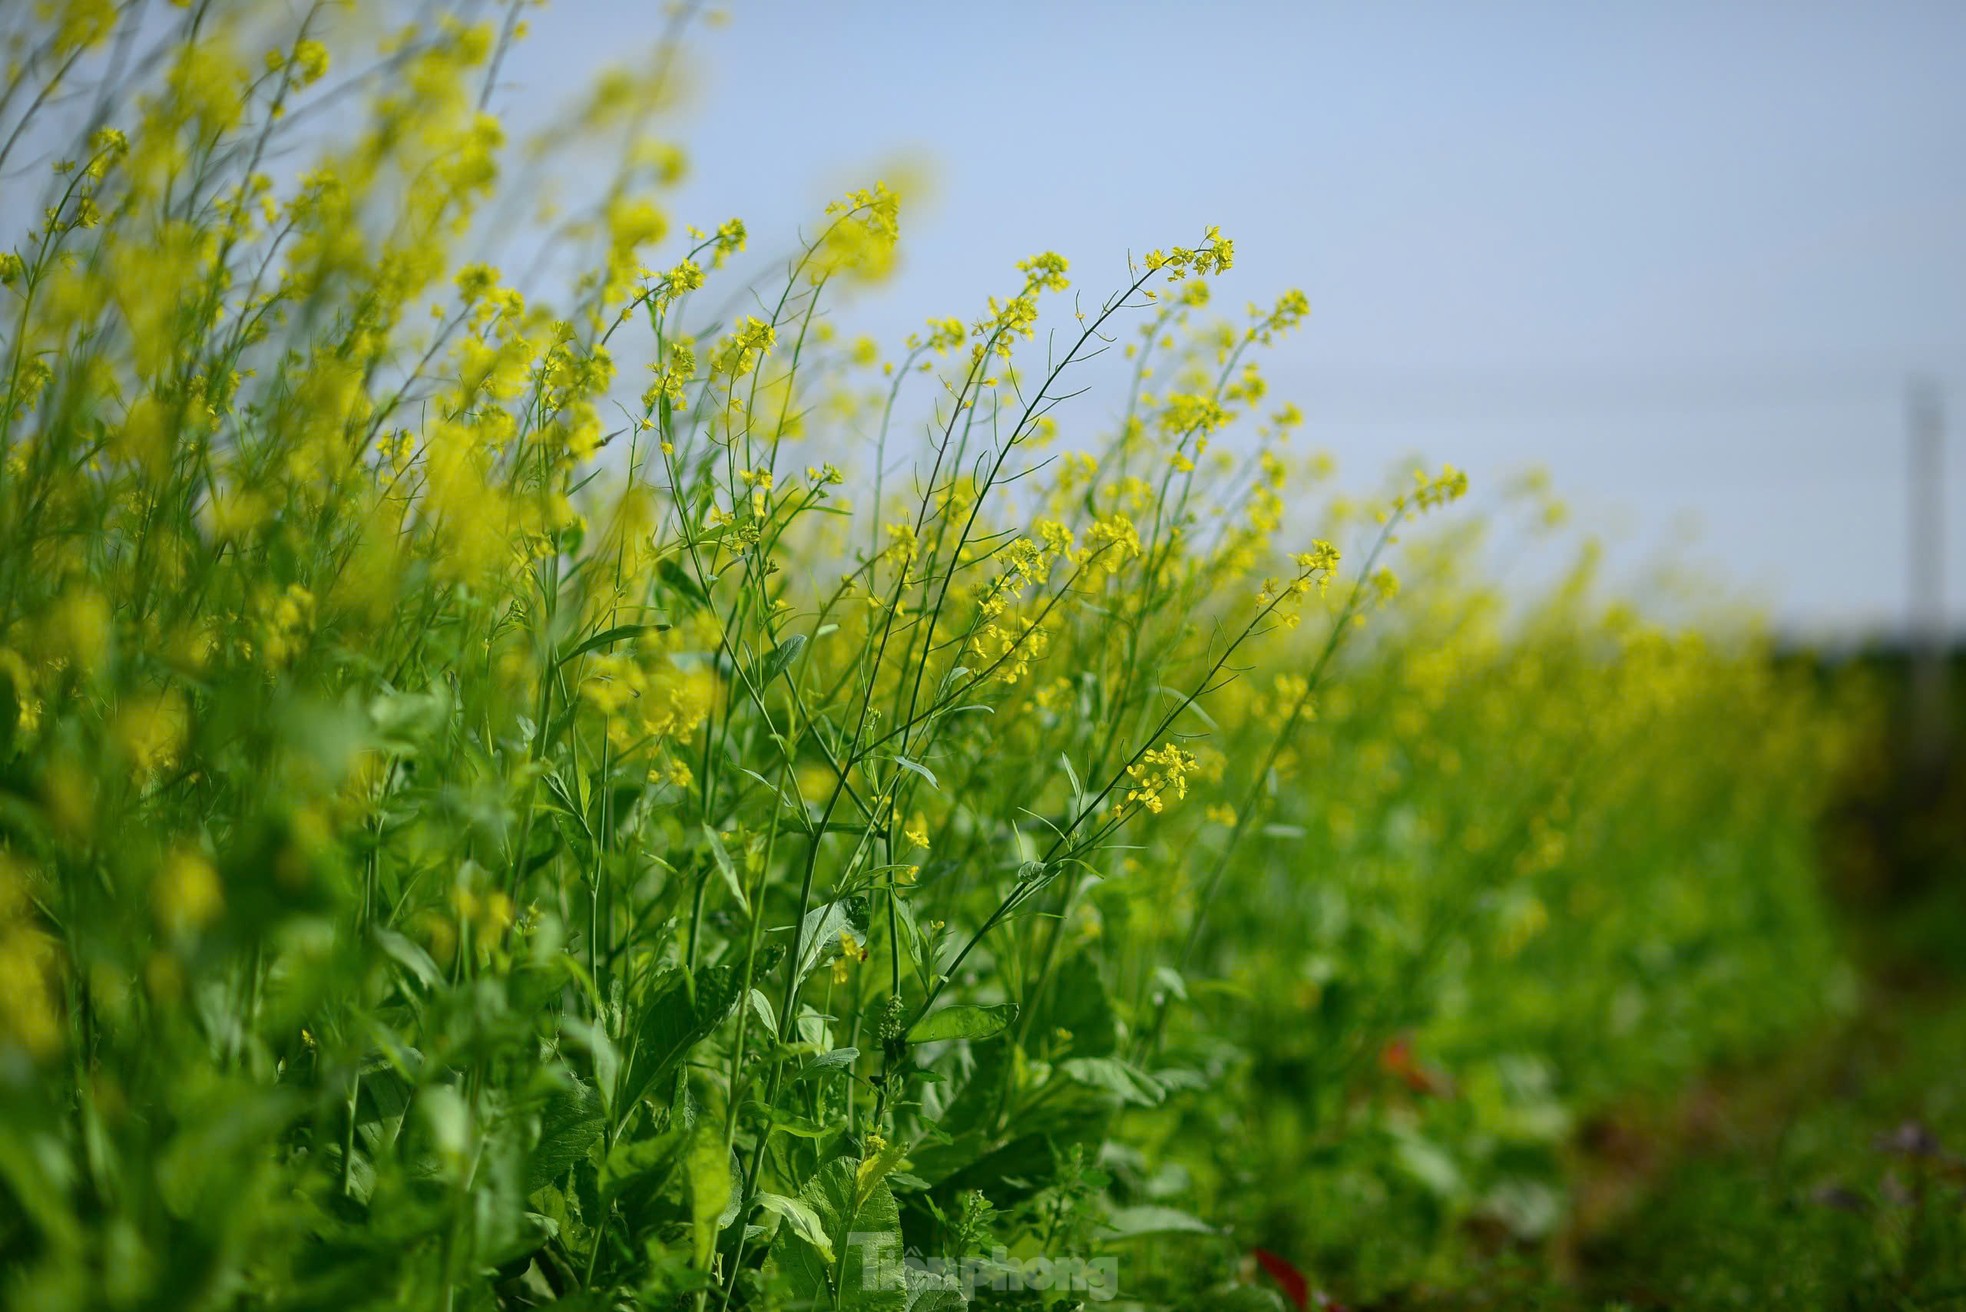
x,y
1684,255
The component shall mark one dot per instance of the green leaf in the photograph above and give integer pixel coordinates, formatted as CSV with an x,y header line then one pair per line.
x,y
675,1018
1129,1222
411,956
710,1188
1077,1003
1007,1173
405,720
448,1118
799,1127
569,1127
762,1009
776,662
819,934
873,1171
864,1233
572,805
1170,981
805,1222
721,857
963,1021
831,1060
607,1058
608,637
637,1176
1128,1083
197,1168
677,578
1428,1163
919,769
934,1298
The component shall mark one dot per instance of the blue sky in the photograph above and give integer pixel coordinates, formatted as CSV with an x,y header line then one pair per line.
x,y
1683,255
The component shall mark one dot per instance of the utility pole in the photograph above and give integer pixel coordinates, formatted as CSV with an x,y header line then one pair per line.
x,y
1931,724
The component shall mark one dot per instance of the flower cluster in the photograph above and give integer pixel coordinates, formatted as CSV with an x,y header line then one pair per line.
x,y
1159,771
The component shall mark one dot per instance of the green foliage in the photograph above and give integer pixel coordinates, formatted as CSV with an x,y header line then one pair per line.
x,y
460,850
1829,1179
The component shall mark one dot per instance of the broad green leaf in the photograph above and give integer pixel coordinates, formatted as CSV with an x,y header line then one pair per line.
x,y
872,1171
448,1119
761,1007
1006,1173
382,1105
40,1176
709,1188
820,1063
1129,1222
675,1018
679,579
197,1167
637,1173
569,1127
1169,979
1129,1083
936,1299
819,934
963,1021
607,1058
866,1273
1428,1163
1077,1003
805,1222
404,721
802,1127
776,661
411,956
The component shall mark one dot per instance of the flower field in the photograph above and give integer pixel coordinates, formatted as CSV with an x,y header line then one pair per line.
x,y
615,794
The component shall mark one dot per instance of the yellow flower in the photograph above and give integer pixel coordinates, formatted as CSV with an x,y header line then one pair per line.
x,y
290,622
186,895
30,1016
850,953
903,542
862,242
1157,771
750,341
151,732
79,630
